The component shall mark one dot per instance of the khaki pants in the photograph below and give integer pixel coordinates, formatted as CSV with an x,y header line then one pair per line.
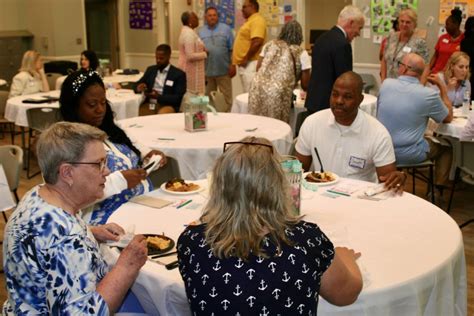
x,y
224,84
246,74
443,157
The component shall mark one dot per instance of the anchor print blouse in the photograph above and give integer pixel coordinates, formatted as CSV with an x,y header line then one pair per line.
x,y
284,284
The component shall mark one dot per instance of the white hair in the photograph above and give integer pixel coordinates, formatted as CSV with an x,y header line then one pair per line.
x,y
349,13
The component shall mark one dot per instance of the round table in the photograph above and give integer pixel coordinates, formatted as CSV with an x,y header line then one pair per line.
x,y
125,103
196,152
115,78
241,102
412,252
452,133
455,127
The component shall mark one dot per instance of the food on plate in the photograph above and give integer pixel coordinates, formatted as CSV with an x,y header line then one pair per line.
x,y
158,242
320,177
179,185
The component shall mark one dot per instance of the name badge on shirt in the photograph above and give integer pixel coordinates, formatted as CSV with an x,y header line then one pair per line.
x,y
445,40
357,162
406,49
169,83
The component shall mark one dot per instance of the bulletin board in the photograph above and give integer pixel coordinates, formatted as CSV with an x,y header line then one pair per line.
x,y
275,12
382,13
226,10
141,14
445,7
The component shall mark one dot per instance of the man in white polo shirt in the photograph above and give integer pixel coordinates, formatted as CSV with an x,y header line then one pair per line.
x,y
350,142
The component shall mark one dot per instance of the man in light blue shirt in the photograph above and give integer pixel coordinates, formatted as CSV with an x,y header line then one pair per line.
x,y
219,40
405,106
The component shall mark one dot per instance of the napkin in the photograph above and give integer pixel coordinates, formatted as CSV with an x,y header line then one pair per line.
x,y
150,201
123,242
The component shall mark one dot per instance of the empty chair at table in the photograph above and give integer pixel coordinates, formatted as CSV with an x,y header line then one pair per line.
x,y
31,77
83,100
248,244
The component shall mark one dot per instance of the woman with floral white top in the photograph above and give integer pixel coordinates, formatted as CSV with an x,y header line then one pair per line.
x,y
51,258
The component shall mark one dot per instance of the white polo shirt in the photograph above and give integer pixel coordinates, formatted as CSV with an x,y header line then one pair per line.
x,y
349,151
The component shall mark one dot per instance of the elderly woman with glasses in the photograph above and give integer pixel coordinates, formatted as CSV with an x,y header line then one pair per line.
x,y
83,100
51,258
401,43
248,244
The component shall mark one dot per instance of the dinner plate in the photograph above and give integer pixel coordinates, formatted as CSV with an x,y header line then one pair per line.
x,y
155,251
307,184
163,187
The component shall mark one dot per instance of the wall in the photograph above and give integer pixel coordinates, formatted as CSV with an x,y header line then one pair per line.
x,y
322,14
366,52
11,15
139,45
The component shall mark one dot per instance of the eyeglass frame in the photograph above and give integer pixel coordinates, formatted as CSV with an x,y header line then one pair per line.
x,y
246,143
102,164
402,63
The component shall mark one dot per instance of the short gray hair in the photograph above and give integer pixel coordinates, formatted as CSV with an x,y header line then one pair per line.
x,y
350,12
62,142
292,33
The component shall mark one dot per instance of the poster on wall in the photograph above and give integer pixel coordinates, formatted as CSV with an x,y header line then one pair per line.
x,y
226,10
272,12
445,7
382,13
141,14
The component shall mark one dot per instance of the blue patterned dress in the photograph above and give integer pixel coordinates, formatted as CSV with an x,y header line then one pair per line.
x,y
52,262
119,157
284,284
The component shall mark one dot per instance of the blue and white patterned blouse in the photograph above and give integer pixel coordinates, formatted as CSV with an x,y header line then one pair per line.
x,y
52,262
119,157
283,284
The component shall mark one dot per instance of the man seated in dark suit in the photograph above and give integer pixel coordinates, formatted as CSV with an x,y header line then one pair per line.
x,y
163,84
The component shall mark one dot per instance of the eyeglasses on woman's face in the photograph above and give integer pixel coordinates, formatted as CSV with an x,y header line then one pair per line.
x,y
101,164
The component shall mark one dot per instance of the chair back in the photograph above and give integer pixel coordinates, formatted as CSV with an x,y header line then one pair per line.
x,y
3,103
301,116
292,148
218,101
369,82
42,117
467,161
11,157
52,78
165,173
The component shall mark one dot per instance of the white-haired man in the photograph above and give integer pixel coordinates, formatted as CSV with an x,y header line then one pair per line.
x,y
332,56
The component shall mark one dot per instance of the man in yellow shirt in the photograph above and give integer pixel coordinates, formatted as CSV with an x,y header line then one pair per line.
x,y
248,44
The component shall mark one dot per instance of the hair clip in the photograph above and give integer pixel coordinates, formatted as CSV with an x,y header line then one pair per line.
x,y
79,81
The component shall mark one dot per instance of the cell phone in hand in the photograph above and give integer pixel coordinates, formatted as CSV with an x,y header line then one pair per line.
x,y
152,164
149,165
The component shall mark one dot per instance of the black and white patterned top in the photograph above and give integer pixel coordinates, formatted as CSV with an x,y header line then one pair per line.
x,y
284,284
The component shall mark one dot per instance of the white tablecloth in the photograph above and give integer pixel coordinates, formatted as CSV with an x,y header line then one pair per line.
x,y
454,128
125,104
115,78
412,253
2,82
241,102
452,132
196,152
